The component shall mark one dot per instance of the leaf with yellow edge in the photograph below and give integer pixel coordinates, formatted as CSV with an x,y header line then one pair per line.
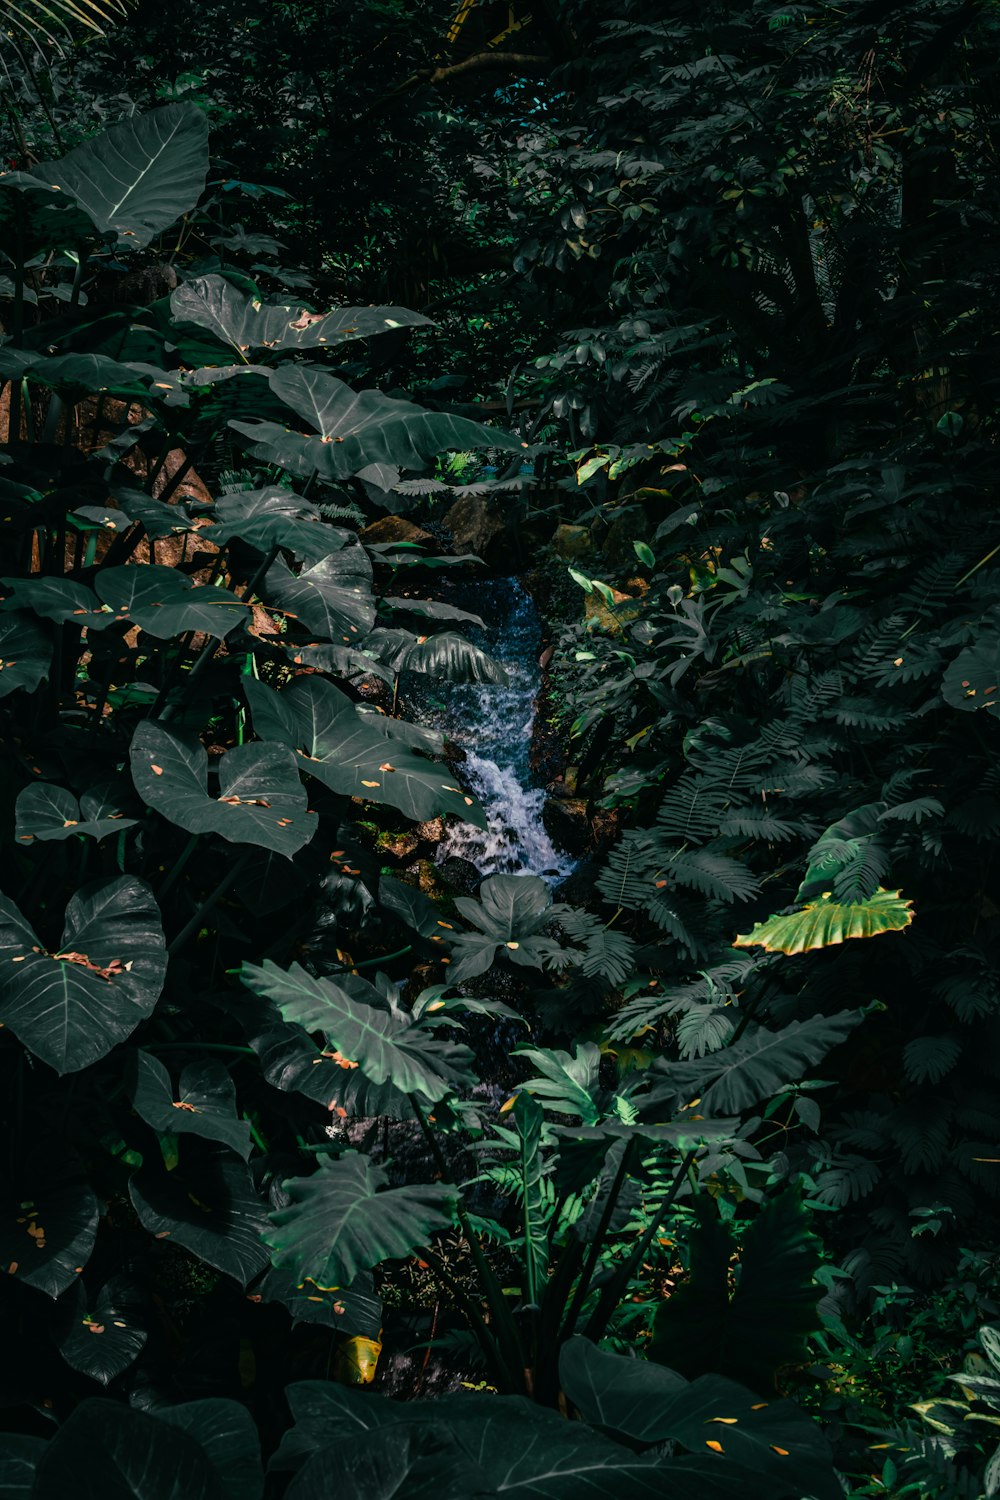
x,y
823,923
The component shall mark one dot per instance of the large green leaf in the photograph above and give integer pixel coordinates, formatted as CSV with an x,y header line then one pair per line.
x,y
348,751
207,1204
157,518
19,1456
227,1435
138,177
332,597
416,1462
46,1236
100,1337
203,1103
973,679
72,1006
767,1321
509,914
25,652
261,799
344,1219
165,602
824,923
354,1310
45,812
650,1404
106,1450
57,599
274,517
241,323
446,655
358,428
385,1045
77,372
520,1450
754,1068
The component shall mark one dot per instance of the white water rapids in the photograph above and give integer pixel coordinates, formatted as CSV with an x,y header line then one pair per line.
x,y
493,725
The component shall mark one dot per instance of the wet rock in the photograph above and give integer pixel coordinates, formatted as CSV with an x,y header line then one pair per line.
x,y
428,878
572,542
477,525
431,832
399,845
395,529
614,617
567,823
460,875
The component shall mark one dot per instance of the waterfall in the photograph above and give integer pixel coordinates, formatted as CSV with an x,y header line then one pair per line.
x,y
493,725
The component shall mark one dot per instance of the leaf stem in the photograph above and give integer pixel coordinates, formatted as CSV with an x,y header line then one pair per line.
x,y
230,878
615,1289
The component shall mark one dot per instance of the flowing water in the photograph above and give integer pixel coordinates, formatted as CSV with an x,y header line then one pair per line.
x,y
493,725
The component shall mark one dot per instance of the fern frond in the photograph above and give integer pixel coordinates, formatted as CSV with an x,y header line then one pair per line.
x,y
712,874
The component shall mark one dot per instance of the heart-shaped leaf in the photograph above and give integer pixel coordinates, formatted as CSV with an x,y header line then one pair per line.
x,y
108,1451
57,599
19,1458
274,517
358,428
344,1219
240,323
651,1404
203,1103
384,1045
347,751
165,603
25,652
261,799
825,922
46,1236
354,1310
43,812
227,1434
973,679
332,597
72,1006
208,1205
446,655
100,1338
157,519
138,177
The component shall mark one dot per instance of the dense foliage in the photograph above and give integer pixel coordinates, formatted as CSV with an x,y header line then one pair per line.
x,y
689,1167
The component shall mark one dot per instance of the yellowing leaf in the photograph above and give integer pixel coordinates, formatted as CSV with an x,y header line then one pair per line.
x,y
823,923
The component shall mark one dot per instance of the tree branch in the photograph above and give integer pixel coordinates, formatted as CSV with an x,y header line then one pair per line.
x,y
431,76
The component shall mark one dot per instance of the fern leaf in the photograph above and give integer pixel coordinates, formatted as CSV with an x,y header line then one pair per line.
x,y
712,874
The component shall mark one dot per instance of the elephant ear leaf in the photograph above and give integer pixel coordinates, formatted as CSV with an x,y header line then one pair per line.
x,y
209,1205
261,799
333,597
129,1455
72,1006
47,1234
345,1219
165,603
354,429
826,922
766,1324
273,517
100,1338
973,679
351,753
385,1046
241,323
50,812
203,1103
450,656
138,177
25,652
508,916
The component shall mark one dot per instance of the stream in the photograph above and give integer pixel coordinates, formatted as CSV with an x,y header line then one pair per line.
x,y
493,725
